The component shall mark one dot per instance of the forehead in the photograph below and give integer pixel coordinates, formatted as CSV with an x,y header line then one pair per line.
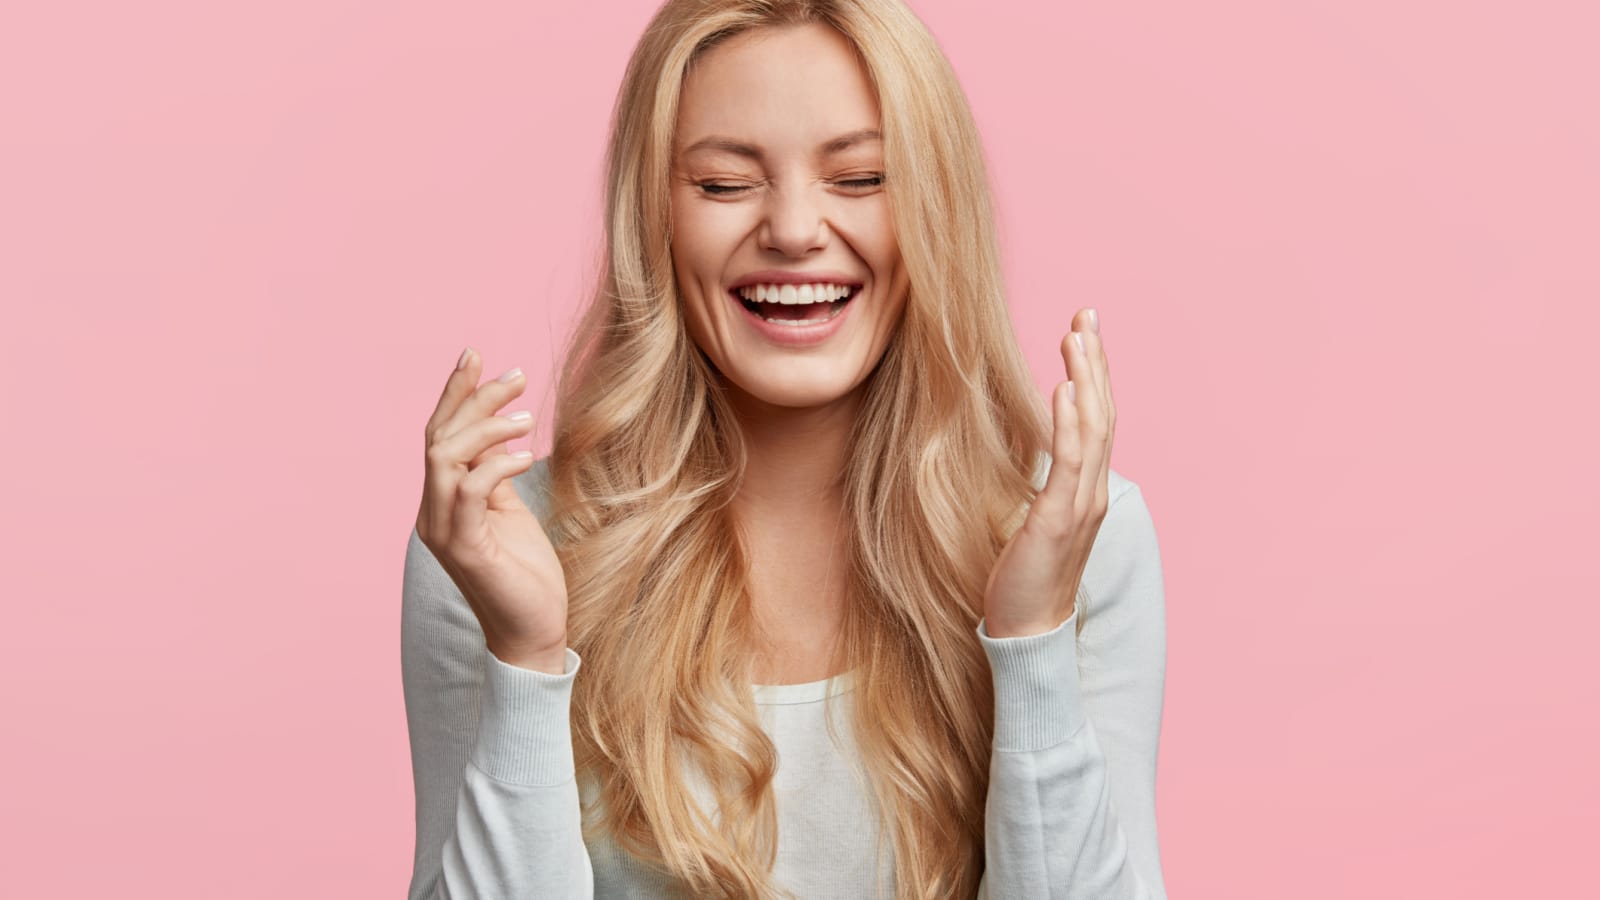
x,y
777,90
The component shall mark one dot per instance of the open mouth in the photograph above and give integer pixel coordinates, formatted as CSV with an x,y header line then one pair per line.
x,y
797,313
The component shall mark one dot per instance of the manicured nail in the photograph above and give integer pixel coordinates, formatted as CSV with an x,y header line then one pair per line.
x,y
1078,336
1072,392
509,375
465,355
1094,319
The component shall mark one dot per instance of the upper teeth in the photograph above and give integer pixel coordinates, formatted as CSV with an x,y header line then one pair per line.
x,y
794,293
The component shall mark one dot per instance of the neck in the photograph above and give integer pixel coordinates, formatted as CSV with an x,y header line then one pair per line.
x,y
790,508
795,458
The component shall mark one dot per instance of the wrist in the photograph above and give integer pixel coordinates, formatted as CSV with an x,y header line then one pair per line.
x,y
550,659
1002,628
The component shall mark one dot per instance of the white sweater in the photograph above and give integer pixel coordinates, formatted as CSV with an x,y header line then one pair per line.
x,y
1071,805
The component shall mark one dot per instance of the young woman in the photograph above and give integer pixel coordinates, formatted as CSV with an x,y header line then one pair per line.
x,y
857,615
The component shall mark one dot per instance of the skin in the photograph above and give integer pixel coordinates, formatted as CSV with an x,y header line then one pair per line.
x,y
1033,588
784,92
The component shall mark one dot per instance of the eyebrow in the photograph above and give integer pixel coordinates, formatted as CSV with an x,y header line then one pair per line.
x,y
827,148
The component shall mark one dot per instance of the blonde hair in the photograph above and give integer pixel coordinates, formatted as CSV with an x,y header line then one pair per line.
x,y
646,455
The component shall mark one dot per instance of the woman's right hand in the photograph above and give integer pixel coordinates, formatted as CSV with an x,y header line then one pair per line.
x,y
483,535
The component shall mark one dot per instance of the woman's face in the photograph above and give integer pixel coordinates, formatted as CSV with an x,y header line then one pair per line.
x,y
774,181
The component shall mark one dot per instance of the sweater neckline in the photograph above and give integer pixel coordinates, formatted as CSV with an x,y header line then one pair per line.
x,y
805,691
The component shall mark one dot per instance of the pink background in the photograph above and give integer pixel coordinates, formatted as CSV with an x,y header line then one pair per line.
x,y
1346,260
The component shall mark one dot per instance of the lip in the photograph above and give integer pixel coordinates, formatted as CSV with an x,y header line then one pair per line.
x,y
777,276
794,335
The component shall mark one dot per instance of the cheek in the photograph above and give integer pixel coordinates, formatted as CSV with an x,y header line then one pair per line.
x,y
693,254
875,230
695,273
694,211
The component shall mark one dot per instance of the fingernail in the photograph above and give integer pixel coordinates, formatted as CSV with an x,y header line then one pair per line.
x,y
509,375
465,355
1072,392
1094,319
1078,336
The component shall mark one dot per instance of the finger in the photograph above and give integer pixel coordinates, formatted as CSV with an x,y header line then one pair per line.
x,y
504,495
1104,362
490,396
1096,348
433,518
1092,490
452,458
1111,409
1102,368
1077,351
1082,367
1060,489
472,493
1091,416
488,437
456,388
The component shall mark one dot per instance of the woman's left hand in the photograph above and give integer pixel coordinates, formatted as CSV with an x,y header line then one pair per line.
x,y
1034,585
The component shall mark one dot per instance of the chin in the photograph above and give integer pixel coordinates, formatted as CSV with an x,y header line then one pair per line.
x,y
803,391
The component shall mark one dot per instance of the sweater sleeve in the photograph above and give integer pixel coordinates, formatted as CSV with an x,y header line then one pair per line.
x,y
1071,804
497,811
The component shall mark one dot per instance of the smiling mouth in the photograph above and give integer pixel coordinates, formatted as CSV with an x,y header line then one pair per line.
x,y
796,313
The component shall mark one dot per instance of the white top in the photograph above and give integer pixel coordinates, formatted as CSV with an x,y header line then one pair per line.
x,y
1071,804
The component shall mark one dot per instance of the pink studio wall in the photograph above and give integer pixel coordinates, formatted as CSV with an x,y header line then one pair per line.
x,y
1345,257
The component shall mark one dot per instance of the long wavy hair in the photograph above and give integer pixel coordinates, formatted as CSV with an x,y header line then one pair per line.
x,y
646,455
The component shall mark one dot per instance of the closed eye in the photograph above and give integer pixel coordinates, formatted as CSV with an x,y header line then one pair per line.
x,y
723,190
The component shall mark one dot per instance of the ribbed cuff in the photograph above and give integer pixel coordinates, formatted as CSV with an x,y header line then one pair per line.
x,y
1038,700
525,727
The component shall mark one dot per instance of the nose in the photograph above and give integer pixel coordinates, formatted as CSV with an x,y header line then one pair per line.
x,y
793,222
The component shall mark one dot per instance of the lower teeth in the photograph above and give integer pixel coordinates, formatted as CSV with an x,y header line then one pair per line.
x,y
796,323
836,307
